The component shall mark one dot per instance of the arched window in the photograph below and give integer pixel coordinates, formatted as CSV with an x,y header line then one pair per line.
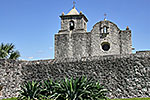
x,y
71,25
105,29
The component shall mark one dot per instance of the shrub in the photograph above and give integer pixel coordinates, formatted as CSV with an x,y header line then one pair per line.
x,y
48,89
30,91
80,88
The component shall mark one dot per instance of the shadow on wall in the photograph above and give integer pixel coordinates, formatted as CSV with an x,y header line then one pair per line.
x,y
1,87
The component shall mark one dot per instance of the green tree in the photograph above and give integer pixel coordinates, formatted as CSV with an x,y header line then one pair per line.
x,y
7,51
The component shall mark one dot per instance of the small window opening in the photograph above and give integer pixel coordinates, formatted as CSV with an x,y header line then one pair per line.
x,y
105,29
71,25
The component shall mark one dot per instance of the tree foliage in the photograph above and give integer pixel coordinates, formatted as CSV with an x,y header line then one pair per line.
x,y
7,51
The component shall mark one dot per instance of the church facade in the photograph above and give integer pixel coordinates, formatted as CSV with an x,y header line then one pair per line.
x,y
73,40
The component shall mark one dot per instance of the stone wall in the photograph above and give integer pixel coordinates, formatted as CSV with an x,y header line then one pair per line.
x,y
80,23
123,75
98,37
104,39
73,45
10,77
126,42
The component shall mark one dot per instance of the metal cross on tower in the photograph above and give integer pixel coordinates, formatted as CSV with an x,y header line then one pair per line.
x,y
105,16
74,3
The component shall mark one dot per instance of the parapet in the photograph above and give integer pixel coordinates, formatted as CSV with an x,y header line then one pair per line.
x,y
143,53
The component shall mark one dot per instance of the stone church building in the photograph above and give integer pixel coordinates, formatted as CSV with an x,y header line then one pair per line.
x,y
73,40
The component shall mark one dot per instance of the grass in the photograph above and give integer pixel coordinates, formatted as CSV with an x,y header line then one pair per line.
x,y
133,99
109,99
10,99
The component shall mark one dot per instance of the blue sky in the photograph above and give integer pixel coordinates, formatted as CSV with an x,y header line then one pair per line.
x,y
31,24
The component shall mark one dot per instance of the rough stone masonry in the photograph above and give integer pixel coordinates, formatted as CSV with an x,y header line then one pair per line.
x,y
125,76
105,38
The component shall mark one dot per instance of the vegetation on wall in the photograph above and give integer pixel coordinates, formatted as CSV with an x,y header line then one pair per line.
x,y
7,51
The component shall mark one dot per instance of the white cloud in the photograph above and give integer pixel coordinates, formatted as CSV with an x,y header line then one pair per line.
x,y
30,57
51,48
40,51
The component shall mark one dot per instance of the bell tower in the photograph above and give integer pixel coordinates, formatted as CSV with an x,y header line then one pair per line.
x,y
71,40
73,21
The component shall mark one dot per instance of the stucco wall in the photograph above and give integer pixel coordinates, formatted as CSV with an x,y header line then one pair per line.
x,y
124,76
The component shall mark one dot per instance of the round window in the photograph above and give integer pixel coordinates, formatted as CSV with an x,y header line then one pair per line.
x,y
105,46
